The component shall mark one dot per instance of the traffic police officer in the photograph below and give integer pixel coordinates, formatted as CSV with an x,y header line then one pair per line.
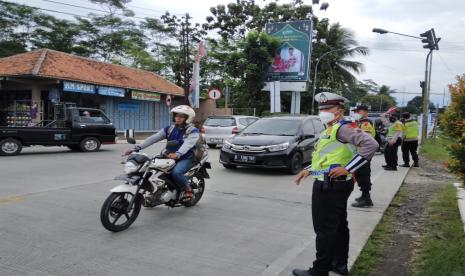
x,y
410,143
394,138
363,174
334,160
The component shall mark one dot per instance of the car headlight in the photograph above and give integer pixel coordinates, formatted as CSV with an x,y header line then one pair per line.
x,y
283,146
130,167
227,145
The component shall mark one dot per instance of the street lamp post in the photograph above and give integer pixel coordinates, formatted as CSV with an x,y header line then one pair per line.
x,y
426,86
316,70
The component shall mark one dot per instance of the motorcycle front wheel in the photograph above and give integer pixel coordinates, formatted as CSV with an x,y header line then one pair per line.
x,y
115,216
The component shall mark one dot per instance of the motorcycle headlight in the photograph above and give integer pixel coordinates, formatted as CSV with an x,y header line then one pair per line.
x,y
227,145
130,167
280,147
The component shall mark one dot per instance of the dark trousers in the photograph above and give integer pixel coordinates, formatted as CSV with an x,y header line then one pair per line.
x,y
329,212
410,147
363,177
390,154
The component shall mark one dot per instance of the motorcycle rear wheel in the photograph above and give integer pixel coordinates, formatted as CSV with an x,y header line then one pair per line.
x,y
114,210
198,186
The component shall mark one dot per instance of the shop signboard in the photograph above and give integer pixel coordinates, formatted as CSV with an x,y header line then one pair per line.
x,y
129,106
78,87
291,60
111,91
145,96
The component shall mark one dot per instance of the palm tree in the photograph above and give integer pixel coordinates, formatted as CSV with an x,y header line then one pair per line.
x,y
336,70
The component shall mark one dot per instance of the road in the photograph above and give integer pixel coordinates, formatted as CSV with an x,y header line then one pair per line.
x,y
249,222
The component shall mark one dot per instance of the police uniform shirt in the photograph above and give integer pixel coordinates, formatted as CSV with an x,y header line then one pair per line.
x,y
366,145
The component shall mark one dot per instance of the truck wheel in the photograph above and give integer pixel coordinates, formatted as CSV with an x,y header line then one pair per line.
x,y
90,144
10,146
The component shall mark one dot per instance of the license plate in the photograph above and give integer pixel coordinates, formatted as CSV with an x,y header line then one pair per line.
x,y
216,140
244,158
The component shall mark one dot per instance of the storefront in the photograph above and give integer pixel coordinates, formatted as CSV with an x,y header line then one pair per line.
x,y
131,98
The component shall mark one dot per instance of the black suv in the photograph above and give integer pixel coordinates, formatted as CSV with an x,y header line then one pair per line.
x,y
274,142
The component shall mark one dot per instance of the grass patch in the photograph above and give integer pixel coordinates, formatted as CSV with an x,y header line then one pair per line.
x,y
372,253
436,149
442,243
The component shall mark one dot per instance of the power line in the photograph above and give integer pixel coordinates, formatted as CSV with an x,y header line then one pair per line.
x,y
42,9
445,64
89,8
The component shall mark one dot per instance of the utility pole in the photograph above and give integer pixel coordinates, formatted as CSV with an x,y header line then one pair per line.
x,y
185,57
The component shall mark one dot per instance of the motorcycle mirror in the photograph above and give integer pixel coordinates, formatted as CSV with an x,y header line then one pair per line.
x,y
130,136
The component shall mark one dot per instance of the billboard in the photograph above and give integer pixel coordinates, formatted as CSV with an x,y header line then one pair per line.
x,y
291,60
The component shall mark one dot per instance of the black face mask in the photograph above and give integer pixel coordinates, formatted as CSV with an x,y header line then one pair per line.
x,y
392,119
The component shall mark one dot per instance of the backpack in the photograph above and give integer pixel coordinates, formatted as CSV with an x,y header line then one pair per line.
x,y
200,146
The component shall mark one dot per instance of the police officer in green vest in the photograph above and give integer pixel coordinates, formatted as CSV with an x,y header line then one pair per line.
x,y
410,142
363,175
394,140
342,149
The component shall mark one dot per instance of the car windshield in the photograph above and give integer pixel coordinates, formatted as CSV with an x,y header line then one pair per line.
x,y
273,127
220,122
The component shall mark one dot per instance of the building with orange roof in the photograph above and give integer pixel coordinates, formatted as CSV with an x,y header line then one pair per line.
x,y
34,84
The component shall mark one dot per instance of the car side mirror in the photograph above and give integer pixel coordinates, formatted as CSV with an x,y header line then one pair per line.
x,y
130,136
308,136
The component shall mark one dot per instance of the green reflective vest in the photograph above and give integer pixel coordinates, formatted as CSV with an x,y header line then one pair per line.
x,y
394,127
329,152
411,129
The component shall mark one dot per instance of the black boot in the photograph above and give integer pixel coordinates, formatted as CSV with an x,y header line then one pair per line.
x,y
341,270
309,272
365,201
302,272
416,164
405,165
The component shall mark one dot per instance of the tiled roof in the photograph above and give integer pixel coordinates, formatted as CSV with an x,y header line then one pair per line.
x,y
58,65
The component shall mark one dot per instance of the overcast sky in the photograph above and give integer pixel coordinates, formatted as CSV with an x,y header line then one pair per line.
x,y
396,61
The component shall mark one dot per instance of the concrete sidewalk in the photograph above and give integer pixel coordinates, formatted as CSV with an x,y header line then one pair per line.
x,y
362,221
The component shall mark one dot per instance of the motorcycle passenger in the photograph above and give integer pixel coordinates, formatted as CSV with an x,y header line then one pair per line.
x,y
184,132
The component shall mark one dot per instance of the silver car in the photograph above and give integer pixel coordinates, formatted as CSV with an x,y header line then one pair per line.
x,y
219,128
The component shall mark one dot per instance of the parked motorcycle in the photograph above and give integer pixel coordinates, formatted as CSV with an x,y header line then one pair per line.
x,y
148,183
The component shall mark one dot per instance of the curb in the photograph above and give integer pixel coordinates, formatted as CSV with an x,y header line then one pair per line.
x,y
461,201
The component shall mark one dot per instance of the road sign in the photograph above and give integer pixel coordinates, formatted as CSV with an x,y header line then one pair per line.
x,y
168,100
214,94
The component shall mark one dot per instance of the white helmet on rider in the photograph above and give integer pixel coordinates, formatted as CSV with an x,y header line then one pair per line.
x,y
186,110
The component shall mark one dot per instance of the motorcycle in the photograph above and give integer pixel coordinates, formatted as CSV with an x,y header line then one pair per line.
x,y
148,183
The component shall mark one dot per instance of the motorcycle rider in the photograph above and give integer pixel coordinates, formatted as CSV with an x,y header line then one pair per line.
x,y
186,134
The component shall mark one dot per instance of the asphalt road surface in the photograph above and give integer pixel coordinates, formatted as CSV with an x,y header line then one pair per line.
x,y
249,221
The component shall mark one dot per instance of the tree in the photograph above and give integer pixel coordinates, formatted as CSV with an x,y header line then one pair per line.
x,y
453,124
378,103
16,22
336,69
109,37
235,20
415,105
56,34
249,64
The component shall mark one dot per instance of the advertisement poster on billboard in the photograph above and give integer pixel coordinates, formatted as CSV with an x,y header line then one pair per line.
x,y
291,60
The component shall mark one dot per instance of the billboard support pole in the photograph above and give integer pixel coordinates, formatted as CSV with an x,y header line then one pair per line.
x,y
275,97
295,102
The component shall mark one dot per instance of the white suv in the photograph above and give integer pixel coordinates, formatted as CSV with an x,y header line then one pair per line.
x,y
219,128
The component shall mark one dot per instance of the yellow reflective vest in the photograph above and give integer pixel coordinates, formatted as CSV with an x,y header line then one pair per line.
x,y
411,129
366,126
330,153
395,127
